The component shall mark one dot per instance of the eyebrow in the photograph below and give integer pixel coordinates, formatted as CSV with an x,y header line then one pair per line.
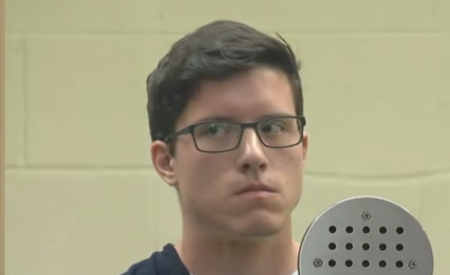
x,y
231,119
215,118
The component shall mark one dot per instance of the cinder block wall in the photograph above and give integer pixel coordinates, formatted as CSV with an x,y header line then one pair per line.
x,y
81,195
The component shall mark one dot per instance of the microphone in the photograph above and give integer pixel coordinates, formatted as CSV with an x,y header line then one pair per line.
x,y
365,235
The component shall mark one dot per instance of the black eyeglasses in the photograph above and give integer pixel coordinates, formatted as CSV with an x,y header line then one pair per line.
x,y
222,136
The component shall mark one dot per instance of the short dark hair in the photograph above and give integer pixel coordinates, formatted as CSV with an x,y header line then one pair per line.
x,y
217,50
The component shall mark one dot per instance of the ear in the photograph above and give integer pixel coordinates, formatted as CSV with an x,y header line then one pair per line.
x,y
305,146
163,162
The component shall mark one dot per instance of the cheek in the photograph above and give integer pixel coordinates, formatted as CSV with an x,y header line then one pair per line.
x,y
288,160
293,171
198,173
288,166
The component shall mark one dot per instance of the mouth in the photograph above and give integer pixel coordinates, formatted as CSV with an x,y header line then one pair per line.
x,y
256,188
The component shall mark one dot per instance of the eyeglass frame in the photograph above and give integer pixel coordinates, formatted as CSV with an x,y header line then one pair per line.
x,y
189,130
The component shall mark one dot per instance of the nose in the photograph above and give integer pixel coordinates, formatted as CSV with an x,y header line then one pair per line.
x,y
251,155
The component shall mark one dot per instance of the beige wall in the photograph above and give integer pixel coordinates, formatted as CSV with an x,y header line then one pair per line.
x,y
81,196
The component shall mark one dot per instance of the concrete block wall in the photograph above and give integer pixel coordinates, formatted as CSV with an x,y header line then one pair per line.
x,y
81,195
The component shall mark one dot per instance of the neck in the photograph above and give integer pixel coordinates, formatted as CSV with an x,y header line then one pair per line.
x,y
275,255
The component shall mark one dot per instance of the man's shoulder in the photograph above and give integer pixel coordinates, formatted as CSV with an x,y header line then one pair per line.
x,y
163,262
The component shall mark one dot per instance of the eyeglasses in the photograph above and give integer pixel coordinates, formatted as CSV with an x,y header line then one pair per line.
x,y
222,136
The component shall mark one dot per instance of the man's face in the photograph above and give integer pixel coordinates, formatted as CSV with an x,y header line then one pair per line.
x,y
209,183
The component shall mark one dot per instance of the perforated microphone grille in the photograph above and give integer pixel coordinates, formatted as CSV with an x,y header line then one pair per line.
x,y
365,236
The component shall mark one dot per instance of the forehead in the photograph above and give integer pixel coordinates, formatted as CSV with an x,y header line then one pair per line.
x,y
244,97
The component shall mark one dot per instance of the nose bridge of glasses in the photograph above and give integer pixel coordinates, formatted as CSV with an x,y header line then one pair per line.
x,y
249,133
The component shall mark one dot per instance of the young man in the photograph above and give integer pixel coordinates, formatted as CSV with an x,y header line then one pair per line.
x,y
226,118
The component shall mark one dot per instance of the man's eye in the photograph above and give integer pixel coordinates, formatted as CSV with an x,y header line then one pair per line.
x,y
272,128
215,129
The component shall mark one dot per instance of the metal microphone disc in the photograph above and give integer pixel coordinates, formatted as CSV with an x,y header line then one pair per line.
x,y
365,236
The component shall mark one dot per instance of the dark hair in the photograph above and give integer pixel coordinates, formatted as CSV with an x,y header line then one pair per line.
x,y
214,51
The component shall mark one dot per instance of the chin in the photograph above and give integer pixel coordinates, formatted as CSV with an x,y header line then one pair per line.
x,y
260,225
